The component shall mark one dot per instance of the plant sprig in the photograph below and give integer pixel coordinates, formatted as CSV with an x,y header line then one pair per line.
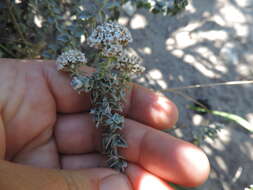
x,y
107,85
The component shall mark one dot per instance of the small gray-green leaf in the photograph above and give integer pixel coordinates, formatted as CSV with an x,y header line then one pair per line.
x,y
63,38
85,16
112,5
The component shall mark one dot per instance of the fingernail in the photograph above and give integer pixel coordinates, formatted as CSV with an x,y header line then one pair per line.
x,y
115,182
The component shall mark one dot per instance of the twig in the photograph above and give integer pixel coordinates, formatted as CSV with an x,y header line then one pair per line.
x,y
187,97
6,50
210,85
241,121
14,20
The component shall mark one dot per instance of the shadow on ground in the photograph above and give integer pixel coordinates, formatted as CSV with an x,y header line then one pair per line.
x,y
210,42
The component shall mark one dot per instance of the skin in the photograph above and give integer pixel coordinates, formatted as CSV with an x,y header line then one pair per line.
x,y
48,139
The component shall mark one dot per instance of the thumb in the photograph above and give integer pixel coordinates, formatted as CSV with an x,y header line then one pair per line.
x,y
17,176
95,179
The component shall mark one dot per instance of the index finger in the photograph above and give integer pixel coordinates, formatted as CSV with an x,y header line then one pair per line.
x,y
142,105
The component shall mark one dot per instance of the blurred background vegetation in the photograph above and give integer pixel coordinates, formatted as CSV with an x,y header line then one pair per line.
x,y
43,28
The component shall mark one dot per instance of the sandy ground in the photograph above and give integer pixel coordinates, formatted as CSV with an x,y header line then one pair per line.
x,y
210,42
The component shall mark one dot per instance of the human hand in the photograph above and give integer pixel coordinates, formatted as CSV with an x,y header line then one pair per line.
x,y
44,123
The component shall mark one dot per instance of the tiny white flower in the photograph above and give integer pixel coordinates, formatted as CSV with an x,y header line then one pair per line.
x,y
129,63
109,33
113,51
70,59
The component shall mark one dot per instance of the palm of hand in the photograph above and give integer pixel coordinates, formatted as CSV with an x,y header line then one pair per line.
x,y
33,120
47,125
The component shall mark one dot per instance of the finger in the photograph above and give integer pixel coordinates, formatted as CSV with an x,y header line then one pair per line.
x,y
165,156
67,100
96,179
140,178
159,153
151,108
142,104
16,176
82,161
144,180
76,134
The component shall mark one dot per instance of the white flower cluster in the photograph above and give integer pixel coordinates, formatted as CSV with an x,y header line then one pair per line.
x,y
131,64
70,59
110,37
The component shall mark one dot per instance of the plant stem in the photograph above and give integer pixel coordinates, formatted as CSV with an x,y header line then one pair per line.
x,y
14,20
210,85
187,97
7,51
244,123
